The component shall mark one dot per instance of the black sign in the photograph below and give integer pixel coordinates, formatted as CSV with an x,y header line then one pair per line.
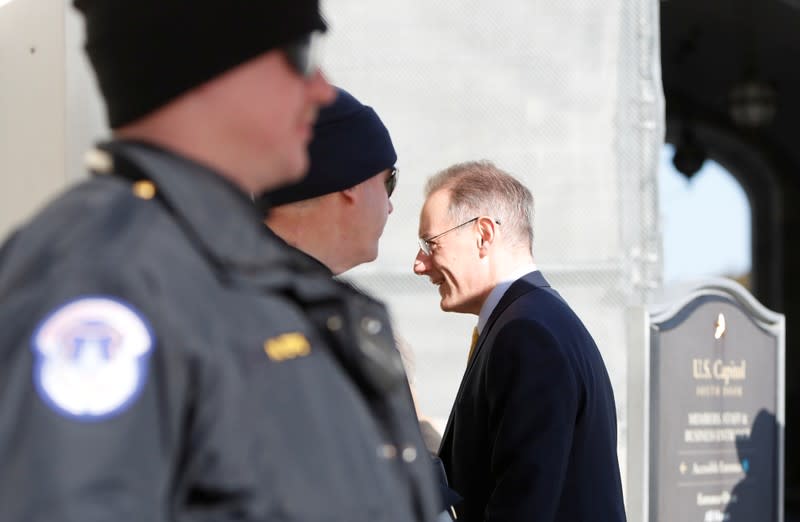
x,y
716,406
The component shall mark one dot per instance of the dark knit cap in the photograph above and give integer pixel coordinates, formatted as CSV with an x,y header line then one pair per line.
x,y
350,145
145,53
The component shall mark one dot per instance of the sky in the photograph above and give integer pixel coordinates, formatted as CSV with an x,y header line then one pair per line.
x,y
705,222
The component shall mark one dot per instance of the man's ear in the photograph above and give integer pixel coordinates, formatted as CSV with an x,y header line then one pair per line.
x,y
350,194
486,232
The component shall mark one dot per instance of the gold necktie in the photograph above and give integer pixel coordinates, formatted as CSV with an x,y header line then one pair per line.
x,y
474,342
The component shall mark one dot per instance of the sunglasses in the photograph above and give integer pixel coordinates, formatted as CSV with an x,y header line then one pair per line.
x,y
303,54
391,181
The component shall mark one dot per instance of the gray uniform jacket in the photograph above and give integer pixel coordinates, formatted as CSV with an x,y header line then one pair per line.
x,y
164,357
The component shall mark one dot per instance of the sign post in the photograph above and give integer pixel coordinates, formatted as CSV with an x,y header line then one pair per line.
x,y
712,416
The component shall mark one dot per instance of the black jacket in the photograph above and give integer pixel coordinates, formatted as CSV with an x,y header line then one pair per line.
x,y
533,432
169,359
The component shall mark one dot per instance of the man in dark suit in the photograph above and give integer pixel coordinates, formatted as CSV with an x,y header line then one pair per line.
x,y
532,435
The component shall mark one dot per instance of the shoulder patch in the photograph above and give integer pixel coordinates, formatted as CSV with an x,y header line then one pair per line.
x,y
90,357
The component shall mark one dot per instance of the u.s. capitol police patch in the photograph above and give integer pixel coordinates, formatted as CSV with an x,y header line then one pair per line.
x,y
90,357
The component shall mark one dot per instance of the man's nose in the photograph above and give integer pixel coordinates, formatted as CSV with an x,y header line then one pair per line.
x,y
320,90
420,263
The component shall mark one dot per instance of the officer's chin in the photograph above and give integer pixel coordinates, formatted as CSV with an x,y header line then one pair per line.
x,y
286,171
299,168
373,255
369,254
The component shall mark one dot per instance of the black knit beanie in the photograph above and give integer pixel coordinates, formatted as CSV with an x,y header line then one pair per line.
x,y
350,145
148,52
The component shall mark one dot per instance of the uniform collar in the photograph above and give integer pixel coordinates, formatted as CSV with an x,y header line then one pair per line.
x,y
218,215
308,262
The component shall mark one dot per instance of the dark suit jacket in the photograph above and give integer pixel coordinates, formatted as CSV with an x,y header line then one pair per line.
x,y
533,434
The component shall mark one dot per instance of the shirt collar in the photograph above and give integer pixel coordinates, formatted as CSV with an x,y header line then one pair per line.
x,y
499,290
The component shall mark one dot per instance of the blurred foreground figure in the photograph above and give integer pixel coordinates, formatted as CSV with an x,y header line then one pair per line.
x,y
165,357
533,431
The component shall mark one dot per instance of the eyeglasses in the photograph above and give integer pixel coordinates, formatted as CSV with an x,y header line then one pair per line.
x,y
303,54
426,244
391,181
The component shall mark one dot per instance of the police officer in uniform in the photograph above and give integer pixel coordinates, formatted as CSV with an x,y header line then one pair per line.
x,y
337,212
164,356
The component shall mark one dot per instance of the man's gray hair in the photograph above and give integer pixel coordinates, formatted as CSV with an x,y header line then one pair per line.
x,y
479,188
